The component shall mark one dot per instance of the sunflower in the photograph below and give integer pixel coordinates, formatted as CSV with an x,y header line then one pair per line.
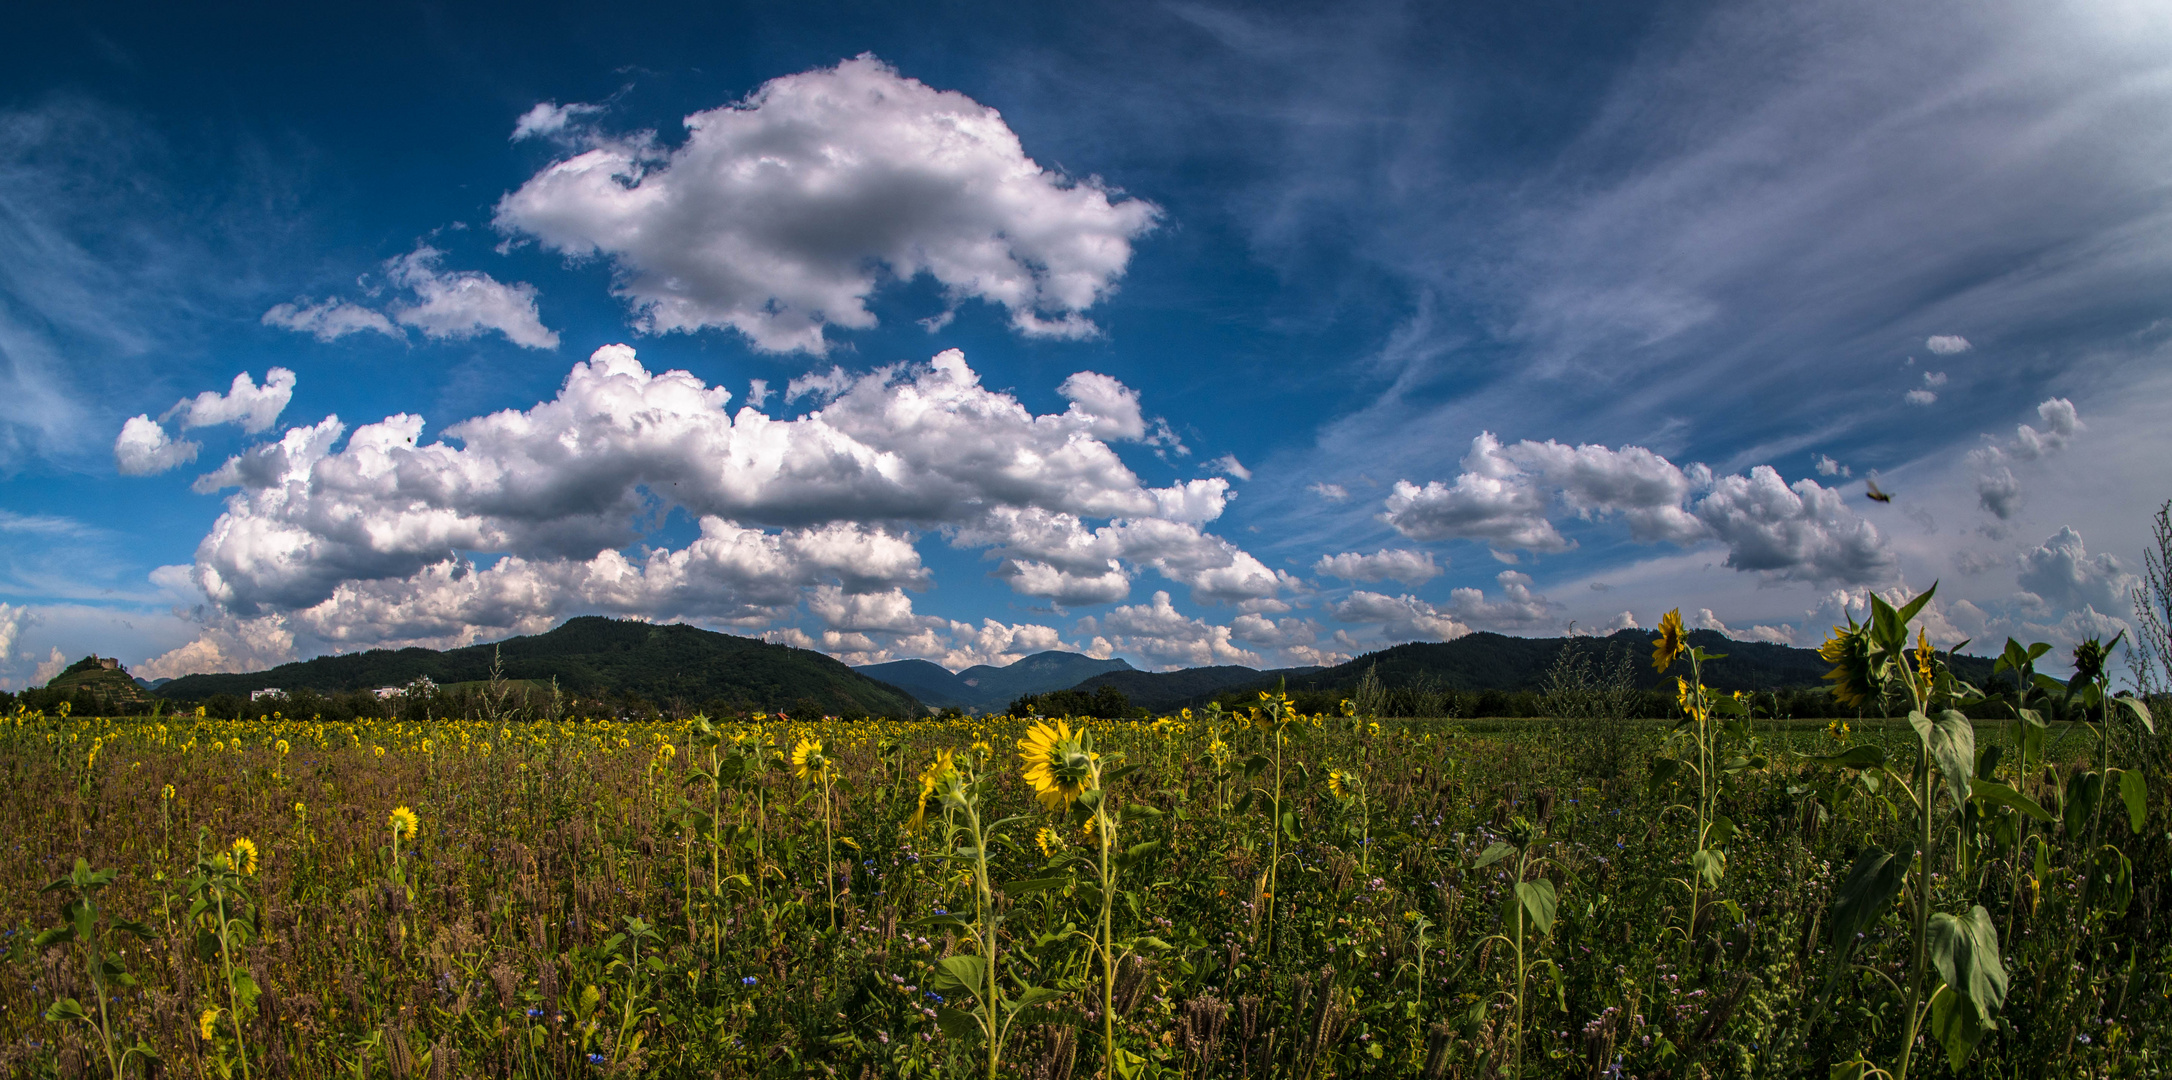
x,y
1670,643
403,821
244,850
1923,657
2089,657
1335,783
166,793
204,1022
1049,840
808,761
1055,763
931,781
1848,651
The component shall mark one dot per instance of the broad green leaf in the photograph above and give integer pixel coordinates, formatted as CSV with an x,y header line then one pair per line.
x,y
1711,865
2138,709
65,1009
1908,612
2111,880
1956,1026
2134,791
1538,901
1494,853
1951,741
1994,792
965,972
1865,894
957,1023
2083,791
1253,764
1965,949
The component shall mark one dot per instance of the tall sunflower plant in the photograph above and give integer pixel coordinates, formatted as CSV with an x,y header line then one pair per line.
x,y
1708,748
1068,776
1956,983
957,788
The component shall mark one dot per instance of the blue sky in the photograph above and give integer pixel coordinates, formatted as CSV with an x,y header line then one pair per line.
x,y
1180,332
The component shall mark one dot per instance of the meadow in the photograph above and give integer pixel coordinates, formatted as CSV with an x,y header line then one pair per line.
x,y
1250,892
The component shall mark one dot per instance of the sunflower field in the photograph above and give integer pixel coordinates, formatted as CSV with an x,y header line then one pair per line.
x,y
1252,892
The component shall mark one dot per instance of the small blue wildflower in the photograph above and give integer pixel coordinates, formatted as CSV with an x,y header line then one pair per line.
x,y
749,981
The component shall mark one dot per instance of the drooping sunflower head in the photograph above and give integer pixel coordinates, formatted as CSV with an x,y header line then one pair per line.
x,y
1056,763
205,1021
932,781
403,821
244,855
1671,641
809,762
1848,650
1049,840
1335,783
166,793
2089,657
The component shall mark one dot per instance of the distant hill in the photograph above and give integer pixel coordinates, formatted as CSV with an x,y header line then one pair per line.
x,y
985,688
592,655
1487,661
1164,691
102,678
932,683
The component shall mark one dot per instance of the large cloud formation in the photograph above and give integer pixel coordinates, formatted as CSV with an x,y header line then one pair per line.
x,y
781,214
378,535
1510,495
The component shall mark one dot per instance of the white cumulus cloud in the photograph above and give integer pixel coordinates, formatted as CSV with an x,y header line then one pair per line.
x,y
442,304
1510,496
1159,632
2062,573
1946,344
462,304
330,320
549,118
1998,489
782,214
143,448
1412,568
255,408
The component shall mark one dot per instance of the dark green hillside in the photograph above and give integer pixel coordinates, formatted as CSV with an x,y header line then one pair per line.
x,y
1163,691
594,656
1497,664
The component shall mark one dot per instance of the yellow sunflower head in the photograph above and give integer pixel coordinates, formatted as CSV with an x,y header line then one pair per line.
x,y
809,762
1923,656
166,793
205,1021
1050,841
1056,763
1848,650
1671,641
1335,783
244,854
403,821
